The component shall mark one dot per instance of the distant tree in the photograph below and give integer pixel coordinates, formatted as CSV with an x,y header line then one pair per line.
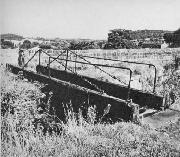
x,y
74,45
11,37
109,45
6,44
173,39
84,45
63,44
177,31
26,44
101,44
177,37
45,46
2,40
40,38
34,44
169,38
119,39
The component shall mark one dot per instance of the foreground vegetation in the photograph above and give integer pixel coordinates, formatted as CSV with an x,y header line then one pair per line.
x,y
20,136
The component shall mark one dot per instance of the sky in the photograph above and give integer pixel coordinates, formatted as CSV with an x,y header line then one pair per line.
x,y
90,19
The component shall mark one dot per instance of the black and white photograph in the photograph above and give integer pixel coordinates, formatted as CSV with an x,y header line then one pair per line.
x,y
90,78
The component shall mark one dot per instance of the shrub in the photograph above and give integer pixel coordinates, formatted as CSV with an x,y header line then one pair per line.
x,y
45,46
26,44
84,45
34,44
6,44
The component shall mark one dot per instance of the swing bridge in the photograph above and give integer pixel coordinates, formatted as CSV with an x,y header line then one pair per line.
x,y
122,101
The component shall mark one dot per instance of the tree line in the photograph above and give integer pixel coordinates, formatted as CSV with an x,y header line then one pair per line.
x,y
117,39
173,39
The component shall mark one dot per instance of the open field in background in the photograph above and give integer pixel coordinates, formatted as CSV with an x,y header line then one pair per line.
x,y
142,77
20,138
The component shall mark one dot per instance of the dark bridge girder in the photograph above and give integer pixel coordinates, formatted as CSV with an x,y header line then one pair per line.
x,y
81,97
139,97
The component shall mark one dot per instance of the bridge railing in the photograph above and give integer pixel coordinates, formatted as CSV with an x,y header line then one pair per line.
x,y
66,59
57,59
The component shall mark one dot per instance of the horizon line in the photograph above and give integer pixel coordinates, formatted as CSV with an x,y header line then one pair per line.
x,y
84,38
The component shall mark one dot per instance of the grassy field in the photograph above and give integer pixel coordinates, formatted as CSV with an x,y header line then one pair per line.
x,y
77,138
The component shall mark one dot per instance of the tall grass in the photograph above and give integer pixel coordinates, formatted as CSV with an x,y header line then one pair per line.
x,y
78,137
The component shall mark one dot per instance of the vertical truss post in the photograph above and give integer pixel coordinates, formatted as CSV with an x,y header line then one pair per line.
x,y
75,63
154,89
49,74
67,51
39,57
129,86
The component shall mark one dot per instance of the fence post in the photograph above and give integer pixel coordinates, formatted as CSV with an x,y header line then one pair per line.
x,y
66,59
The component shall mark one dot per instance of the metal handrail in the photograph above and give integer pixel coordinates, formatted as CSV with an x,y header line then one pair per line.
x,y
101,91
89,63
30,59
58,56
131,62
55,59
155,69
102,65
98,67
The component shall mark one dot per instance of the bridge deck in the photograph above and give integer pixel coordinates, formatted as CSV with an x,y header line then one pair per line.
x,y
139,97
81,97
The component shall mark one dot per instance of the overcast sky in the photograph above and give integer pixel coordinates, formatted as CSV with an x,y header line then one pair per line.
x,y
86,18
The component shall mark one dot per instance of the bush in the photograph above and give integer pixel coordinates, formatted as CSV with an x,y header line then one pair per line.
x,y
26,44
6,44
84,45
45,46
34,44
